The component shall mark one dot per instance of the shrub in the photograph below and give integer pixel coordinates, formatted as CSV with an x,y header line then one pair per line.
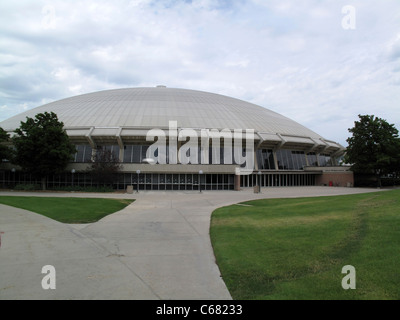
x,y
82,189
27,187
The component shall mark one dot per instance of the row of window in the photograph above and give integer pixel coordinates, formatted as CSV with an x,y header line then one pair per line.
x,y
286,159
160,181
278,180
292,160
143,181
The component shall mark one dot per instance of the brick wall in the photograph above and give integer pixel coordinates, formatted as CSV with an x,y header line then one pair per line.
x,y
339,179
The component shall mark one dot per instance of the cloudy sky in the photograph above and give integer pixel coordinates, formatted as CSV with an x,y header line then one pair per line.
x,y
320,63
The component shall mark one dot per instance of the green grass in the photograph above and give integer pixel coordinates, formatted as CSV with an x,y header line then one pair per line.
x,y
296,248
68,210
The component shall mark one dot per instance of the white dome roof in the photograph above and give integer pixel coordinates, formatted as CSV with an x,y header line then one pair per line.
x,y
146,108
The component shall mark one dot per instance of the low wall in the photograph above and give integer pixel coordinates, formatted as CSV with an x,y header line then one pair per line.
x,y
337,179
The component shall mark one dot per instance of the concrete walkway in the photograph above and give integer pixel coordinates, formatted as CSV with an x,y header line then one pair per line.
x,y
156,248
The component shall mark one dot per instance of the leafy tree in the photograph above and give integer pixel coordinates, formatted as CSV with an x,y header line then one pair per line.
x,y
374,147
42,146
395,165
5,151
105,166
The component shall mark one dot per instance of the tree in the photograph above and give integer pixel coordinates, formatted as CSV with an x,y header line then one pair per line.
x,y
5,151
395,165
105,166
42,146
374,147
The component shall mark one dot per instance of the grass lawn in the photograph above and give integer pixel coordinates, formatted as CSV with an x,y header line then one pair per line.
x,y
68,210
296,248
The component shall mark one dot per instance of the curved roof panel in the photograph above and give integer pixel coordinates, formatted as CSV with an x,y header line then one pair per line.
x,y
144,108
154,107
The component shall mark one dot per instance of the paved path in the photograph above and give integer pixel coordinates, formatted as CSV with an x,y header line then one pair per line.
x,y
156,248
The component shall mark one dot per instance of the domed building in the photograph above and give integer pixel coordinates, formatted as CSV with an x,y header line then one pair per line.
x,y
179,139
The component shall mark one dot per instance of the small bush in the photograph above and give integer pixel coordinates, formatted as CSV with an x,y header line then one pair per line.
x,y
27,187
388,182
82,189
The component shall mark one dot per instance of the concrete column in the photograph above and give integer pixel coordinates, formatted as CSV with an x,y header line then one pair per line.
x,y
237,182
255,160
121,145
275,160
91,142
121,154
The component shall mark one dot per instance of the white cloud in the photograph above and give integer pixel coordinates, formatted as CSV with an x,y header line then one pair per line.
x,y
292,57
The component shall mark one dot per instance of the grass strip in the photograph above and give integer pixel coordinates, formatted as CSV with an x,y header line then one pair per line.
x,y
296,248
68,210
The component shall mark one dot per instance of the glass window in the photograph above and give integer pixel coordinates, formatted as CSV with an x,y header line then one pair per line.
x,y
83,153
88,154
259,159
299,160
296,162
114,149
155,178
128,154
265,159
290,160
127,178
80,151
284,163
312,159
143,154
136,151
148,178
271,161
324,160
